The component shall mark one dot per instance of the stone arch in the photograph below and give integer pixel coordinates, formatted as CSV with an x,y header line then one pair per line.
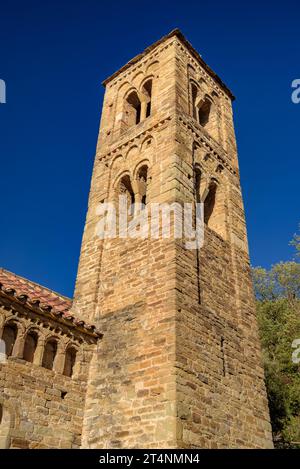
x,y
141,175
148,77
209,202
71,356
136,80
131,152
132,109
148,143
122,86
146,93
117,160
123,186
30,344
143,162
194,93
215,95
9,336
152,67
191,71
204,109
198,173
50,352
203,85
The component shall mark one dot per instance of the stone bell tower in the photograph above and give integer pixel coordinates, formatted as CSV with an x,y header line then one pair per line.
x,y
179,364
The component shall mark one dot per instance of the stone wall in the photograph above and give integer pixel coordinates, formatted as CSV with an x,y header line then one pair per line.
x,y
40,408
42,389
179,364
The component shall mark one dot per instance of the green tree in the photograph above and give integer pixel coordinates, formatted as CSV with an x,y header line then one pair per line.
x,y
296,242
278,311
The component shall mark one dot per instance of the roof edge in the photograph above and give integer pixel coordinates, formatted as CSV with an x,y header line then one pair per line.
x,y
64,297
175,32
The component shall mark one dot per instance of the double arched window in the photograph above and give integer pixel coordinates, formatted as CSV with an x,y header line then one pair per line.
x,y
203,109
135,189
137,105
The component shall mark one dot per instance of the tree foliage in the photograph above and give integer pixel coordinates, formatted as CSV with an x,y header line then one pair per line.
x,y
278,310
296,242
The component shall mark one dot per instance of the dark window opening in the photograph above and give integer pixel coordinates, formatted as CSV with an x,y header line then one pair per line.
x,y
147,90
126,189
194,91
142,181
30,346
197,184
148,110
70,360
49,354
204,112
9,337
210,202
133,109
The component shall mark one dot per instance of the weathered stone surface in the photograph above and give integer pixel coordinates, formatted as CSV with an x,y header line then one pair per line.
x,y
179,364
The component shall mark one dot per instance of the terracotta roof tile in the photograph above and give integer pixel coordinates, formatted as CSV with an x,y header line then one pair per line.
x,y
38,296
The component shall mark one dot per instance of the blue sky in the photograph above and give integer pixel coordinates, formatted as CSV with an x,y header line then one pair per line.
x,y
53,57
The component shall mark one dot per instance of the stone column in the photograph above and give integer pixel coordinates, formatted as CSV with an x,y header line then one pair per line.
x,y
143,109
39,352
18,347
59,361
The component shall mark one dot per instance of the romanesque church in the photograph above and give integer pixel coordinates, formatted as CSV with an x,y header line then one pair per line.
x,y
159,347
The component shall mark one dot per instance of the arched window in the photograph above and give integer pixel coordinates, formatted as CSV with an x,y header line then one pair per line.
x,y
204,112
147,91
30,346
133,109
125,188
194,93
209,202
142,177
49,354
70,359
9,336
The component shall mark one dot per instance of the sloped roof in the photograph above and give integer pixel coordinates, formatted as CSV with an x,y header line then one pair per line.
x,y
175,32
41,298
